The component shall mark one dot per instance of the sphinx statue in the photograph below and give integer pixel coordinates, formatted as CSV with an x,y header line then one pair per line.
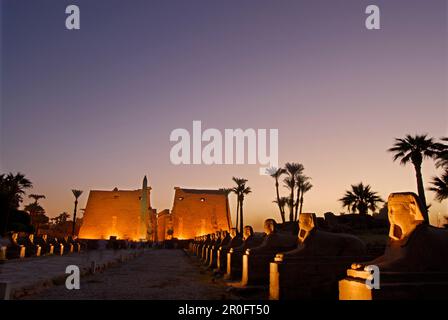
x,y
14,249
234,240
235,254
415,258
314,267
249,240
206,248
68,245
410,239
32,249
314,242
46,247
223,239
273,240
198,245
58,247
256,260
202,248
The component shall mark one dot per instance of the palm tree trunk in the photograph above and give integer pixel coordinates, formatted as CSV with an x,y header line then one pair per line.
x,y
74,217
421,191
297,202
241,216
291,205
237,211
301,203
282,213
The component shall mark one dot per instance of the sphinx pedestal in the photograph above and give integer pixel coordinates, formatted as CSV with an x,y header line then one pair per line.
x,y
234,265
395,286
256,268
308,277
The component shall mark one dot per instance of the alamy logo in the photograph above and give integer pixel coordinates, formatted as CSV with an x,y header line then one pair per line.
x,y
373,281
72,281
235,146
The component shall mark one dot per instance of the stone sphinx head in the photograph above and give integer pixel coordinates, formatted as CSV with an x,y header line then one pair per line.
x,y
233,233
307,222
248,232
405,214
31,238
14,237
270,226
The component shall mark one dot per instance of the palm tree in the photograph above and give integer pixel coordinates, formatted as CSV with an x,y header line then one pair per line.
x,y
304,187
12,189
60,219
300,180
414,149
37,213
245,191
361,198
442,156
240,182
276,173
77,194
282,202
36,197
293,170
440,186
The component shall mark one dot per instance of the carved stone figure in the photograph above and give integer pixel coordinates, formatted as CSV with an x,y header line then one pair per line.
x,y
234,240
256,260
235,255
314,267
415,262
314,242
15,250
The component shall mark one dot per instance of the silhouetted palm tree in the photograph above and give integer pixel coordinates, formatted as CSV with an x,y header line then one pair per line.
x,y
276,173
442,154
77,194
240,184
12,189
282,202
36,197
293,170
304,187
245,191
34,208
300,180
414,149
361,198
440,186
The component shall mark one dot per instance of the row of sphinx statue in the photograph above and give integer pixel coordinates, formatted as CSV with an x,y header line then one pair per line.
x,y
316,264
34,246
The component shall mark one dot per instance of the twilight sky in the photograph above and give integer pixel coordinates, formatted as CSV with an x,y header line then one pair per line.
x,y
94,108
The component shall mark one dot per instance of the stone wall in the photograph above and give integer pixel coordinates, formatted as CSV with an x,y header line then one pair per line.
x,y
113,213
197,212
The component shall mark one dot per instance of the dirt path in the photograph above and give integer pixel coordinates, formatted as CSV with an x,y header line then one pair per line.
x,y
157,274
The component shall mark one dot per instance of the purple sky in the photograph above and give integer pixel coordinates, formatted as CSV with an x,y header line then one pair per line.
x,y
94,108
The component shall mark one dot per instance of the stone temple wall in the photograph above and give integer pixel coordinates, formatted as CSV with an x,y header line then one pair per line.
x,y
196,212
113,213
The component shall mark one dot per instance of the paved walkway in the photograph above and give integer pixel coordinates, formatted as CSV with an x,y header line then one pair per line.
x,y
157,274
31,275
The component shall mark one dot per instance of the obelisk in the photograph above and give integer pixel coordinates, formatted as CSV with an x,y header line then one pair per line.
x,y
143,210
